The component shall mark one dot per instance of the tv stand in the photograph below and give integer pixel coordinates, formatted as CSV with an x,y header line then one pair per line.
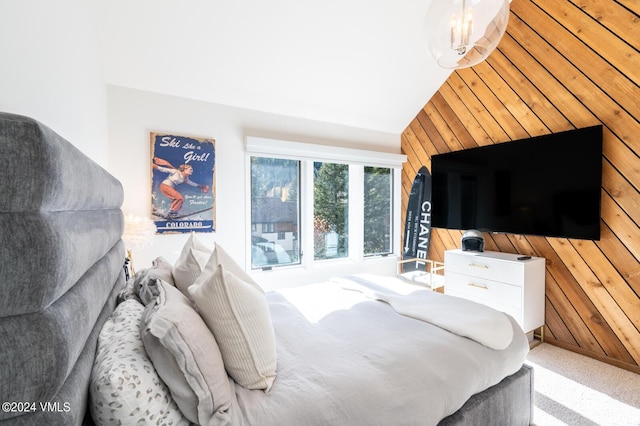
x,y
499,280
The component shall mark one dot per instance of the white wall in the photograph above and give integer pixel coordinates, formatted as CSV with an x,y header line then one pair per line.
x,y
133,114
51,70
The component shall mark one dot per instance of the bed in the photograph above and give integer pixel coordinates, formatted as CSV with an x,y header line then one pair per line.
x,y
199,341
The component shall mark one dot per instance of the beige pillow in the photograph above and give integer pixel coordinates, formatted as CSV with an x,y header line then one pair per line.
x,y
221,257
187,357
161,268
192,260
237,313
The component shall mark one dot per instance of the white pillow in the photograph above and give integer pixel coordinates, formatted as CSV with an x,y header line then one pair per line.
x,y
192,260
124,385
221,257
237,313
187,357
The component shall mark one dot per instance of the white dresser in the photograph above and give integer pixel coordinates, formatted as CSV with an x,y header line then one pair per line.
x,y
499,280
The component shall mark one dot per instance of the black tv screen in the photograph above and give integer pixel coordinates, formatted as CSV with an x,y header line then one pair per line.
x,y
545,185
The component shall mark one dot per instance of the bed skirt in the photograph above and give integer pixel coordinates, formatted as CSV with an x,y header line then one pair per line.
x,y
509,403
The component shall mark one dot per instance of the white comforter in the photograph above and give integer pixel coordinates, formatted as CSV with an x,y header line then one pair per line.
x,y
347,359
462,317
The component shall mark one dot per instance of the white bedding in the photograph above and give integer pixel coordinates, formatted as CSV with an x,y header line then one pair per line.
x,y
346,359
463,317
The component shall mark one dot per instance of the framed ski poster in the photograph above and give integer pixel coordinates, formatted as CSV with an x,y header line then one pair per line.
x,y
183,183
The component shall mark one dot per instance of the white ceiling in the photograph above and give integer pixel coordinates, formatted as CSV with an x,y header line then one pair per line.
x,y
361,63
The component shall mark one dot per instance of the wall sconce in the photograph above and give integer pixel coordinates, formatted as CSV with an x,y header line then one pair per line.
x,y
462,33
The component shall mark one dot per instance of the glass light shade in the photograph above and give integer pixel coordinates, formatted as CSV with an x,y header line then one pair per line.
x,y
138,231
462,33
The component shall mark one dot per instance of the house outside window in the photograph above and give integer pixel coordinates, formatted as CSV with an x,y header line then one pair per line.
x,y
275,211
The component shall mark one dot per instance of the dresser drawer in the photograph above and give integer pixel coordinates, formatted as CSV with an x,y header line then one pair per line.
x,y
482,290
480,266
500,280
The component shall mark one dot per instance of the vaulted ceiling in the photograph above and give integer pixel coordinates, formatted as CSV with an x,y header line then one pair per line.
x,y
358,63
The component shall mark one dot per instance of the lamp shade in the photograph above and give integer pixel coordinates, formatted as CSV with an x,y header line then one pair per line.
x,y
138,231
462,33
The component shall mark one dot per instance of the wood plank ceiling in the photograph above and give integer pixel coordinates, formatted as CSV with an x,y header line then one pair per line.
x,y
563,64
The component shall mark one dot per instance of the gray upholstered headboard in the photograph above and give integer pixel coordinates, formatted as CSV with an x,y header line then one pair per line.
x,y
61,258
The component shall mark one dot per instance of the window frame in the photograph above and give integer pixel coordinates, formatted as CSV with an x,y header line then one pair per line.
x,y
392,217
357,160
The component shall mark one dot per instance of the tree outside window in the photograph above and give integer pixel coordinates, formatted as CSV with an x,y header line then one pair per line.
x,y
330,210
378,183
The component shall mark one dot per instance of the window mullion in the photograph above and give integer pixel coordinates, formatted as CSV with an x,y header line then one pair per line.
x,y
396,210
306,212
356,212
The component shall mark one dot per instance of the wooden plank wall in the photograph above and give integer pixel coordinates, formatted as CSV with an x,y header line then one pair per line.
x,y
563,64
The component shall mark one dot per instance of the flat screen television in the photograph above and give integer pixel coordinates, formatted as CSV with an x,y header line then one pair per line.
x,y
546,185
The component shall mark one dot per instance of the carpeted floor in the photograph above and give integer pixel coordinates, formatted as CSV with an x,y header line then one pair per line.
x,y
574,390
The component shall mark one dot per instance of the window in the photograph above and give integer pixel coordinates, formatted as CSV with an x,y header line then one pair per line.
x,y
327,202
275,212
378,209
330,210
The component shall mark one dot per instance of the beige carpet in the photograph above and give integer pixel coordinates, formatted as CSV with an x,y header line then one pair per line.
x,y
571,389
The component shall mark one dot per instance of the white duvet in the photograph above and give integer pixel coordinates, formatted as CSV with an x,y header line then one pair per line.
x,y
462,317
345,358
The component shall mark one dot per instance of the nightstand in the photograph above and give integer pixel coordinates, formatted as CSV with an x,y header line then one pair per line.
x,y
425,272
499,280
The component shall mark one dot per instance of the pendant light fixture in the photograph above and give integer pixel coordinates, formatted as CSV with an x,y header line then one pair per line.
x,y
462,33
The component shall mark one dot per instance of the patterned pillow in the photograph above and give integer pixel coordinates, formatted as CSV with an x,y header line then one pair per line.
x,y
124,387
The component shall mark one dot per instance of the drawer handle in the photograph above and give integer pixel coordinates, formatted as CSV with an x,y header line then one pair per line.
x,y
484,287
475,265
